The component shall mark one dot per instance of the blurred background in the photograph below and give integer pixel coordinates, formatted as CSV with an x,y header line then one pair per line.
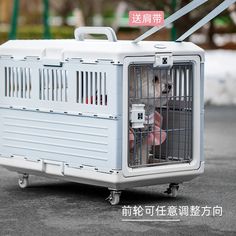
x,y
55,19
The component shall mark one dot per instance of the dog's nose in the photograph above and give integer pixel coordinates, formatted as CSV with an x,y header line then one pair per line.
x,y
169,87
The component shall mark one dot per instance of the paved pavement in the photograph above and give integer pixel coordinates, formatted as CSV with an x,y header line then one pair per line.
x,y
52,207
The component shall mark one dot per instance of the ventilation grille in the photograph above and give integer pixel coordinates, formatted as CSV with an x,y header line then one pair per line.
x,y
18,82
183,84
53,85
91,88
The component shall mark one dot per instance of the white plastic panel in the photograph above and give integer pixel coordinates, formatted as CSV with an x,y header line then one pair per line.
x,y
92,50
74,140
72,88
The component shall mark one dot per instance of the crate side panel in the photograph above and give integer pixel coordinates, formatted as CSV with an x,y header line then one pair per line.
x,y
71,139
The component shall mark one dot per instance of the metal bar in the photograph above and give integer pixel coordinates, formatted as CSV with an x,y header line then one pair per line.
x,y
183,11
160,79
173,116
180,97
185,110
140,81
136,80
206,19
148,103
167,111
154,107
192,109
139,132
128,131
189,125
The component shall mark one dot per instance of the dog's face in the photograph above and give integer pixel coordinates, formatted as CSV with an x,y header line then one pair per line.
x,y
156,87
152,86
163,86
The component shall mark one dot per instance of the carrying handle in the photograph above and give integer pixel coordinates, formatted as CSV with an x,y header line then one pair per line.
x,y
82,31
224,5
175,16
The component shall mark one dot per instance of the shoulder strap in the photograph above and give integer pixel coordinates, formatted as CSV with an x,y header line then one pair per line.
x,y
181,12
224,5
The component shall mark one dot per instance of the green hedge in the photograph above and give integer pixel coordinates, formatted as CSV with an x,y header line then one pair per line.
x,y
65,32
36,32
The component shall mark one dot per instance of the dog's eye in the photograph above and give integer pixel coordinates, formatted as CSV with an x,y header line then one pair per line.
x,y
156,79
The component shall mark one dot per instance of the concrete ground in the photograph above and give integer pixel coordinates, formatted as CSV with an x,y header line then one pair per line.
x,y
52,207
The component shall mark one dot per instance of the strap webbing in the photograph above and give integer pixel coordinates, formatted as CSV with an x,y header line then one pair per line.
x,y
181,12
206,19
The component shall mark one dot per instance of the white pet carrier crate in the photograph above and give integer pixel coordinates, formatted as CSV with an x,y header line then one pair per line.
x,y
117,114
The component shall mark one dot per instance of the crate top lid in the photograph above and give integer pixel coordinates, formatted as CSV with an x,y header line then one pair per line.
x,y
92,50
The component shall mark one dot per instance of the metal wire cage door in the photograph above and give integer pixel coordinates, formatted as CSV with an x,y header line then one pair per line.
x,y
160,114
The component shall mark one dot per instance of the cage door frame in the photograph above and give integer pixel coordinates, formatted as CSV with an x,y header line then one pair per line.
x,y
196,132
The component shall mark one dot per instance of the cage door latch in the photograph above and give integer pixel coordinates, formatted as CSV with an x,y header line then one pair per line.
x,y
137,116
163,60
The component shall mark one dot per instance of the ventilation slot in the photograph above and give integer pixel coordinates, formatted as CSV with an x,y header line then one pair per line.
x,y
91,88
53,85
183,84
17,82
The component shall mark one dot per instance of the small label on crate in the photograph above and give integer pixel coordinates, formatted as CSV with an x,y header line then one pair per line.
x,y
137,115
146,18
